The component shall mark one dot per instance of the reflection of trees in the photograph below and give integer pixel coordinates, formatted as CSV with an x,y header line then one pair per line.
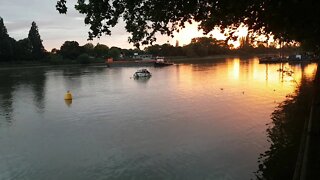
x,y
284,134
71,77
37,80
10,79
6,90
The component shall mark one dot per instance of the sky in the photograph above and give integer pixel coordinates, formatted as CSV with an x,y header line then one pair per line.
x,y
55,28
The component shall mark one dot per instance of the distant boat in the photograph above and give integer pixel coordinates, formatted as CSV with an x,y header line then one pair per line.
x,y
298,59
269,59
142,73
160,62
129,63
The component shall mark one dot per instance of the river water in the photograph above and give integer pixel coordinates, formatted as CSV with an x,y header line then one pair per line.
x,y
193,120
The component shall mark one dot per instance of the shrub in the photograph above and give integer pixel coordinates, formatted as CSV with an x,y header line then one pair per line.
x,y
83,59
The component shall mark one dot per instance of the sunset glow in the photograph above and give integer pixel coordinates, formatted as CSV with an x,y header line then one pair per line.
x,y
185,35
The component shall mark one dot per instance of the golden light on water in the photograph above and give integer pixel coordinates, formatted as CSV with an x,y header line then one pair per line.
x,y
234,69
236,76
310,70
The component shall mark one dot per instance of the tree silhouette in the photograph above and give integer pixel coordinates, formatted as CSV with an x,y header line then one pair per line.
x,y
38,50
101,50
24,50
6,44
70,50
3,30
287,20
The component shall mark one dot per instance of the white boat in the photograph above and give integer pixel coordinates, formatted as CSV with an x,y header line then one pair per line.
x,y
160,62
142,73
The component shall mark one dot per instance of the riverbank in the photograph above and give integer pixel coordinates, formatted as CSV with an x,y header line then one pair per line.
x,y
99,62
19,65
33,64
308,163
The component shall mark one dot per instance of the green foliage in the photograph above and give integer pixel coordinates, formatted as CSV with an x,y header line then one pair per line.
x,y
83,59
130,52
155,49
114,52
7,46
101,50
70,50
55,59
38,50
164,50
24,50
88,49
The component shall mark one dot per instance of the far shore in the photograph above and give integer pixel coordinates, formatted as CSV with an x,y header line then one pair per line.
x,y
178,59
19,65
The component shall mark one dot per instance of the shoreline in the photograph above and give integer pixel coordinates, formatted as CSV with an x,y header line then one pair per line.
x,y
44,65
179,59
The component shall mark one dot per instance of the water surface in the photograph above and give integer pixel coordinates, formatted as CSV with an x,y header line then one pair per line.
x,y
199,120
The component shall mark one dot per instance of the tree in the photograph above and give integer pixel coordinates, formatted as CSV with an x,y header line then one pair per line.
x,y
287,20
204,46
24,50
115,52
38,50
6,44
101,50
83,58
70,50
245,42
54,51
3,30
154,50
88,49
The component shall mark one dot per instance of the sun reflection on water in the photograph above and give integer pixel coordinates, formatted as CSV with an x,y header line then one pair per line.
x,y
246,76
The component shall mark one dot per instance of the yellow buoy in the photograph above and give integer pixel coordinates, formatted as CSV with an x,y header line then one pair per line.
x,y
68,102
68,96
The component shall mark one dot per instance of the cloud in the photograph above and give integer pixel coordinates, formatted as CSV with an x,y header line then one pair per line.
x,y
56,28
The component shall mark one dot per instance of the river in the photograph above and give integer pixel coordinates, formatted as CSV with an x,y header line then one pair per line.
x,y
194,120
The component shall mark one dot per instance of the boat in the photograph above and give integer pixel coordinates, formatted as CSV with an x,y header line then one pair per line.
x,y
129,63
160,62
269,59
299,59
142,73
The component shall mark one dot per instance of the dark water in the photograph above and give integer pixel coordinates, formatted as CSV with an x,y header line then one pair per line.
x,y
191,121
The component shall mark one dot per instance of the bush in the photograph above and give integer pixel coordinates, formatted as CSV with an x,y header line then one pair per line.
x,y
55,59
83,59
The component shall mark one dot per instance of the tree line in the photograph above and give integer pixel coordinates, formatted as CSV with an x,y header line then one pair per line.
x,y
32,49
72,51
209,46
27,49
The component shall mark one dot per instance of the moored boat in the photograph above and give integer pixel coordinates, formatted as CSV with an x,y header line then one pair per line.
x,y
129,63
265,60
160,62
142,73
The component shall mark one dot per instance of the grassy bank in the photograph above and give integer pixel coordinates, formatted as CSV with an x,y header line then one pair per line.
x,y
34,64
55,60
